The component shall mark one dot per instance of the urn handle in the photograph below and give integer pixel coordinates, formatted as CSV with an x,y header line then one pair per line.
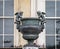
x,y
18,19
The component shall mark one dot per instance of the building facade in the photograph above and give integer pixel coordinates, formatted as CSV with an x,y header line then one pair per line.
x,y
10,37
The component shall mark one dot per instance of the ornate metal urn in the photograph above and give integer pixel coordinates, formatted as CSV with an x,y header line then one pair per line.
x,y
30,28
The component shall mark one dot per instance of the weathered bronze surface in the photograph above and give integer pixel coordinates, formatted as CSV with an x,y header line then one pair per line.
x,y
30,27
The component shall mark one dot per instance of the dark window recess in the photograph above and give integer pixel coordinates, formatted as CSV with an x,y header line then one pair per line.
x,y
58,26
8,41
58,42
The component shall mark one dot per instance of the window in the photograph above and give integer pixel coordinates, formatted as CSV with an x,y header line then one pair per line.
x,y
8,26
50,8
50,42
1,41
58,8
58,41
1,7
8,7
52,24
8,41
58,26
6,23
1,26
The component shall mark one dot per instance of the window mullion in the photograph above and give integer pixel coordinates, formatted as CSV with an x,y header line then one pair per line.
x,y
55,23
3,24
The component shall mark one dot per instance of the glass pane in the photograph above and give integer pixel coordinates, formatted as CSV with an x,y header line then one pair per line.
x,y
1,41
8,41
58,42
58,8
58,26
9,8
50,42
50,26
1,7
1,26
9,26
50,8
